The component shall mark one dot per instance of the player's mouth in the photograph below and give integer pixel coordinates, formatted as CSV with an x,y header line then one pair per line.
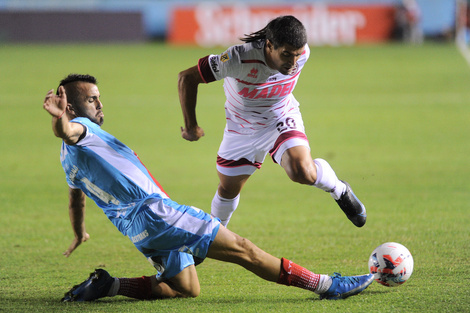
x,y
286,69
291,69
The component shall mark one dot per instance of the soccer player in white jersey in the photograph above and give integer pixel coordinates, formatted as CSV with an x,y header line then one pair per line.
x,y
262,116
170,235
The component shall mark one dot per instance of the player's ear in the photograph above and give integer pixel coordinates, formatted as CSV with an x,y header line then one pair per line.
x,y
71,110
269,45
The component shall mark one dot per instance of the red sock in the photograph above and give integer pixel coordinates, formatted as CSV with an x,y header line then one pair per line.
x,y
297,276
138,288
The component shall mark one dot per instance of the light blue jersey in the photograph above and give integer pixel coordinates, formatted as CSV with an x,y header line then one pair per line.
x,y
109,173
113,176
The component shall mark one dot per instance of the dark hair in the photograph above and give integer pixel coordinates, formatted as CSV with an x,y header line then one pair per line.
x,y
281,31
72,93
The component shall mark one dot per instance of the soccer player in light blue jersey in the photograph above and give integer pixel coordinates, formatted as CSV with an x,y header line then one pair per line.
x,y
171,236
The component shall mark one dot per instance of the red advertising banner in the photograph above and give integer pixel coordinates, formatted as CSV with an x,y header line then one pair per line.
x,y
211,24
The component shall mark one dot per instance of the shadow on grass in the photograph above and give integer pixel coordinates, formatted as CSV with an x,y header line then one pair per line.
x,y
46,304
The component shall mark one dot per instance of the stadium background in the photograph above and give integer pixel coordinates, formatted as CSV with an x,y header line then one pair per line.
x,y
155,17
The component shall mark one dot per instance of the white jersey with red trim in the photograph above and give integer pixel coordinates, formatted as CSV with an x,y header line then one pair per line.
x,y
257,96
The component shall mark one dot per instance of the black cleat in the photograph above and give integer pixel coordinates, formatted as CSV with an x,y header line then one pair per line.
x,y
96,286
352,207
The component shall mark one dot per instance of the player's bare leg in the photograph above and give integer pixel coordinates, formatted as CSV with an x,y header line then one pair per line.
x,y
300,168
227,196
185,284
230,247
299,165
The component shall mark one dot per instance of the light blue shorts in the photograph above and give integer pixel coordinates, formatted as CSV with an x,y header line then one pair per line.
x,y
170,234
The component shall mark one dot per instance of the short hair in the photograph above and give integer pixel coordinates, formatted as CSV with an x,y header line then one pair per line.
x,y
71,91
280,31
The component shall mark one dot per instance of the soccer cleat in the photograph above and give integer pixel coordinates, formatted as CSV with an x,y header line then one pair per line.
x,y
352,207
343,287
94,287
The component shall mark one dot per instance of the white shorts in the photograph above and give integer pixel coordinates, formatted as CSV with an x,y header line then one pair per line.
x,y
242,154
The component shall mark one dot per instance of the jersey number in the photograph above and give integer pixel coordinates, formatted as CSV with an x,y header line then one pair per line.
x,y
289,123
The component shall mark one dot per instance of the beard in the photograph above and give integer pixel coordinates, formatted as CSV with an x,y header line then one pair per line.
x,y
98,120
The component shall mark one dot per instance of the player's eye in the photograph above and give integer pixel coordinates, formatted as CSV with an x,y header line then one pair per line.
x,y
92,99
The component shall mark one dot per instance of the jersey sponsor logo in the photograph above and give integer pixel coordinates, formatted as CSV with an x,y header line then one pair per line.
x,y
267,93
214,65
224,57
253,73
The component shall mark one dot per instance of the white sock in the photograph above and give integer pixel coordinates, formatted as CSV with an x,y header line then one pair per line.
x,y
224,208
324,284
114,288
327,180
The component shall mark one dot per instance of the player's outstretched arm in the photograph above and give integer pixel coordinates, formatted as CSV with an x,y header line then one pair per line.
x,y
58,107
188,81
77,201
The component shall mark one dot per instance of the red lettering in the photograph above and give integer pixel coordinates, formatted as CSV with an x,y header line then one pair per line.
x,y
245,92
276,90
262,94
287,89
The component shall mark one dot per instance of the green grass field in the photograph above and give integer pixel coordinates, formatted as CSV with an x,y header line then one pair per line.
x,y
392,120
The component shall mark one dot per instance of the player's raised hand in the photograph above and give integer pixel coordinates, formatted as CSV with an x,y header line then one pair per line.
x,y
75,243
55,104
192,134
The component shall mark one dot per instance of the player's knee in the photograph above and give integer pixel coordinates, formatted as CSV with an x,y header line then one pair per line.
x,y
250,251
228,193
193,292
302,173
189,290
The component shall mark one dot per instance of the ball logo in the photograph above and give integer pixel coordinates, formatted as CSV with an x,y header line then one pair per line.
x,y
391,264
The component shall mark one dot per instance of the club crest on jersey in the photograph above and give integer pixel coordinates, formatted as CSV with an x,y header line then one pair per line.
x,y
253,73
224,57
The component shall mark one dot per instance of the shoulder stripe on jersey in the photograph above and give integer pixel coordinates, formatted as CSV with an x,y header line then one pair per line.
x,y
153,178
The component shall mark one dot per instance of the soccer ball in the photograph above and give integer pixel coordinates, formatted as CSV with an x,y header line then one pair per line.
x,y
391,264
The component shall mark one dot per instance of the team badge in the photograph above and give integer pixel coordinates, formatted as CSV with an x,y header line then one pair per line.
x,y
224,57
